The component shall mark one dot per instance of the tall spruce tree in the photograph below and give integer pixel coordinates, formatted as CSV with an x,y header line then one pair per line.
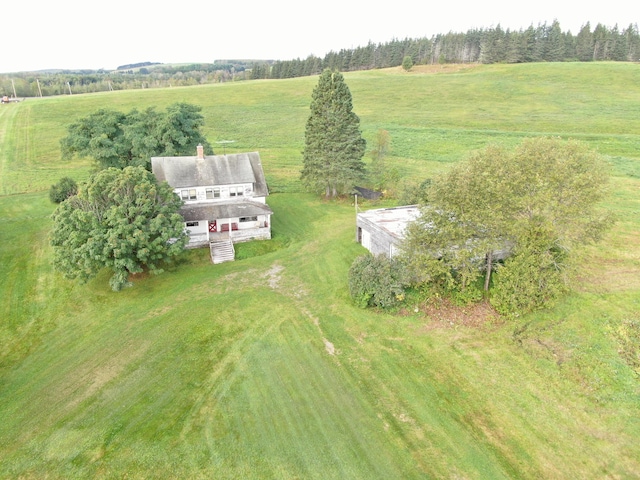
x,y
334,146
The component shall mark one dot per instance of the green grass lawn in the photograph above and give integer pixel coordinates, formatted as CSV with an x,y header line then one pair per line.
x,y
263,368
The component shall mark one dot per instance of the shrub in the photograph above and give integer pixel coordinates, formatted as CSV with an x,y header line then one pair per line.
x,y
415,193
377,281
407,63
531,279
65,188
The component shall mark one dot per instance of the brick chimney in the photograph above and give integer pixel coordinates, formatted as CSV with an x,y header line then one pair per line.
x,y
200,152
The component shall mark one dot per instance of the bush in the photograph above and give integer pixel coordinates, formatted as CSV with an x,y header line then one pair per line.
x,y
407,63
531,279
466,296
415,193
377,281
65,188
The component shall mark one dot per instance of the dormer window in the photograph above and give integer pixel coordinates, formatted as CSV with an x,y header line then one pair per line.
x,y
189,194
236,191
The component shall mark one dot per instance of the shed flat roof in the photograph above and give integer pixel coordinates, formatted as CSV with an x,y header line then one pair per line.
x,y
393,220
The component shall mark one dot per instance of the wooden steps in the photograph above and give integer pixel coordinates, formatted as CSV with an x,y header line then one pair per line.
x,y
222,251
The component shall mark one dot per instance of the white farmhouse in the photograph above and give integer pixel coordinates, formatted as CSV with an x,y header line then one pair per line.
x,y
224,198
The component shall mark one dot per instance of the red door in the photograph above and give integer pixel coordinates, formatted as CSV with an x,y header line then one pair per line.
x,y
212,226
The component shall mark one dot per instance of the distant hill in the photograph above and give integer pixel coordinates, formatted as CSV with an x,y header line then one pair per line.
x,y
137,65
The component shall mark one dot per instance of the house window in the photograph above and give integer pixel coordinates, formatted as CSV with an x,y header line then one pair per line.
x,y
216,193
248,219
188,194
192,224
236,191
209,192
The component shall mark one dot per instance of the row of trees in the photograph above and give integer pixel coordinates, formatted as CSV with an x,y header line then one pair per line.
x,y
66,82
542,43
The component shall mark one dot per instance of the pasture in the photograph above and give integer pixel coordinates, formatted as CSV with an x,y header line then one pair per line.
x,y
263,368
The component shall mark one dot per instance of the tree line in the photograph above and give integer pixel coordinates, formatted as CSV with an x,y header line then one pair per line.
x,y
542,43
69,82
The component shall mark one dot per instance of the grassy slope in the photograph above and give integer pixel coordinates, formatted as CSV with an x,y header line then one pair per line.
x,y
262,368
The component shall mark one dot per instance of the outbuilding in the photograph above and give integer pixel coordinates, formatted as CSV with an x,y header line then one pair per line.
x,y
382,230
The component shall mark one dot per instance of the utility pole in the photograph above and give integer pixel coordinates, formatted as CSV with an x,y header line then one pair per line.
x,y
224,145
14,89
39,89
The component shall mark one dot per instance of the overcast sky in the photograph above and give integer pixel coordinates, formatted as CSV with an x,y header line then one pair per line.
x,y
76,34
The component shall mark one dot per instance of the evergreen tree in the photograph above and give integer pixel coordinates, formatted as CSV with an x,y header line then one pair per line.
x,y
554,43
601,43
334,147
632,42
620,45
584,44
528,45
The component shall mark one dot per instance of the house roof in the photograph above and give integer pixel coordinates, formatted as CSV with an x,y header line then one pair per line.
x,y
232,209
191,171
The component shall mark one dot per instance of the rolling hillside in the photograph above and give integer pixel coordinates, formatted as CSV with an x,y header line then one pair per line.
x,y
263,368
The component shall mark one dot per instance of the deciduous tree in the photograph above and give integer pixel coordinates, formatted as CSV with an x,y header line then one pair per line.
x,y
100,136
120,219
537,201
334,147
116,139
382,177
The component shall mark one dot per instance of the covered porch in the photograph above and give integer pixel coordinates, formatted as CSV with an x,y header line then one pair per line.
x,y
238,221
